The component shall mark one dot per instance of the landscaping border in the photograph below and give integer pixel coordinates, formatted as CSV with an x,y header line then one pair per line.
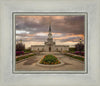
x,y
75,56
24,58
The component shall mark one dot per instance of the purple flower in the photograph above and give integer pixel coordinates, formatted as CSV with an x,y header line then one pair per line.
x,y
19,53
79,53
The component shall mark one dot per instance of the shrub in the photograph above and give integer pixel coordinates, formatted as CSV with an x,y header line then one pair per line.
x,y
79,47
71,49
28,50
82,53
20,47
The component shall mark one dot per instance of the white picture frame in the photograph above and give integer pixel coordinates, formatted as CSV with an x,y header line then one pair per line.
x,y
8,78
51,14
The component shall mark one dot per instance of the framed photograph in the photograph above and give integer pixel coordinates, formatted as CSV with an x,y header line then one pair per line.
x,y
50,42
45,43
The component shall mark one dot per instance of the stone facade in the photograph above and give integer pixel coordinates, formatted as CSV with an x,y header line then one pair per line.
x,y
49,45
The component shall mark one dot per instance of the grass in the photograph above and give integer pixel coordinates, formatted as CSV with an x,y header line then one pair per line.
x,y
76,57
24,57
49,59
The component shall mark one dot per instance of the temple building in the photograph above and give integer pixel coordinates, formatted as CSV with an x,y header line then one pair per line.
x,y
49,45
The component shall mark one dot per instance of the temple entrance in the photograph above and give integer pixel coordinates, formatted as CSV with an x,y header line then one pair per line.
x,y
49,49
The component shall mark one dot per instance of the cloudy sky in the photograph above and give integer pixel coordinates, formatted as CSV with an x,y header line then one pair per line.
x,y
33,30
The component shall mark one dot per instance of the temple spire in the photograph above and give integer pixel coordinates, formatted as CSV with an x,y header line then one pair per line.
x,y
50,26
50,34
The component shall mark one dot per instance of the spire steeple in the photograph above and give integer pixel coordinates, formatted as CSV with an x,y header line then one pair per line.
x,y
49,41
50,34
50,26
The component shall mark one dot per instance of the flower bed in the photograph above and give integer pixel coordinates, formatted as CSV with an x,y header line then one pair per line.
x,y
19,53
79,53
49,60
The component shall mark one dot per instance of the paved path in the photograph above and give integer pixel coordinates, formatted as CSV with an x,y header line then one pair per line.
x,y
70,64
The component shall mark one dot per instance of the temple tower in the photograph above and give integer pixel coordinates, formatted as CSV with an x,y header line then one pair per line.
x,y
49,44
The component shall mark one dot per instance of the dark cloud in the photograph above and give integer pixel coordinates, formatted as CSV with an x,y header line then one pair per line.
x,y
67,25
23,23
37,24
70,25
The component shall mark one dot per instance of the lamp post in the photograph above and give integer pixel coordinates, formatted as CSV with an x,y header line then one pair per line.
x,y
80,41
80,45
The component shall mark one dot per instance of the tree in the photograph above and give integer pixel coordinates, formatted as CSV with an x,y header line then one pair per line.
x,y
79,47
20,47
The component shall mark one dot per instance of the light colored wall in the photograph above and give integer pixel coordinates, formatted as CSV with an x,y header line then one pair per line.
x,y
37,48
62,48
46,48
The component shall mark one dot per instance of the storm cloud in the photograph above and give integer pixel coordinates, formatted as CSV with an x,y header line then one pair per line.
x,y
64,28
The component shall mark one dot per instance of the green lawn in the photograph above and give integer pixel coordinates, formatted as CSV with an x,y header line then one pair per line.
x,y
76,57
24,57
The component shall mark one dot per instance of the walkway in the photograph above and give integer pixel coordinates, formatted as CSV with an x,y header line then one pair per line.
x,y
70,64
